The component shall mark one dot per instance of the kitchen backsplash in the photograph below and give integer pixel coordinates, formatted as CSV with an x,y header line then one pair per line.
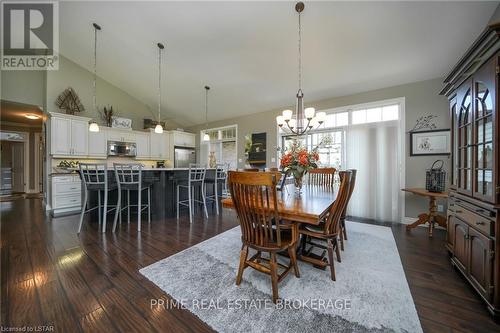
x,y
111,160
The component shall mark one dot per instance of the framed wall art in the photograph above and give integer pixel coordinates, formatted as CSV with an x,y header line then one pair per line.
x,y
435,142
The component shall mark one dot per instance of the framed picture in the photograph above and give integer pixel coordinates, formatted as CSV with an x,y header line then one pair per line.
x,y
119,122
435,142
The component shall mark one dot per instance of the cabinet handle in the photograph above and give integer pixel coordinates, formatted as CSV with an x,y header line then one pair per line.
x,y
479,210
480,223
459,211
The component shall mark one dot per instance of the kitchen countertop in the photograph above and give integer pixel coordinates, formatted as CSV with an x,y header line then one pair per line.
x,y
75,170
170,169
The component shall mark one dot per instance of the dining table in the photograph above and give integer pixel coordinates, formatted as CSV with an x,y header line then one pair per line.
x,y
310,206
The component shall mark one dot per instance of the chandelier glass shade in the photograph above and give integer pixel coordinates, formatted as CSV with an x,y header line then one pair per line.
x,y
303,120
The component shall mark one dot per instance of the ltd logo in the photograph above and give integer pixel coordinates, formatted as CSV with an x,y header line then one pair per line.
x,y
30,37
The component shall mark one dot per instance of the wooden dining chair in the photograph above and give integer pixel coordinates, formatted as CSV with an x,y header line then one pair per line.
x,y
255,200
343,232
321,176
328,231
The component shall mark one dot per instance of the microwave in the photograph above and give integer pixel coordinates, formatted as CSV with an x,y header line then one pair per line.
x,y
118,148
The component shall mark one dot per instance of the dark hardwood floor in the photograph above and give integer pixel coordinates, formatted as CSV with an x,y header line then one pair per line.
x,y
51,277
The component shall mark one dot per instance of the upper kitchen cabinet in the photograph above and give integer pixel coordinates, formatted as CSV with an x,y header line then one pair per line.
x,y
183,139
160,146
68,135
142,145
97,143
121,135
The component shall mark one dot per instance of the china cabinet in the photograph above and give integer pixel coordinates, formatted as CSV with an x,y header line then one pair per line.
x,y
474,200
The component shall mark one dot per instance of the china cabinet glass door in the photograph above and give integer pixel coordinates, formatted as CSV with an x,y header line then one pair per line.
x,y
454,124
464,140
484,105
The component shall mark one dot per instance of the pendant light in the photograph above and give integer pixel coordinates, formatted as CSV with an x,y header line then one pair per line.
x,y
159,128
206,136
93,126
306,119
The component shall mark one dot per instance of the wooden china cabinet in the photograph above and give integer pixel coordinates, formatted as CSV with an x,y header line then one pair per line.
x,y
474,200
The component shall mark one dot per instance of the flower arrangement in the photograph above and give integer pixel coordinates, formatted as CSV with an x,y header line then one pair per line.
x,y
297,161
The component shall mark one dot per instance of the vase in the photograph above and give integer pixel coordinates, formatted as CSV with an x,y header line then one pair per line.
x,y
298,181
212,161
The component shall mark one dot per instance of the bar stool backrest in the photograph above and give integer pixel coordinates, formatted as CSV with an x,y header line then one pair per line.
x,y
197,172
128,173
221,171
94,173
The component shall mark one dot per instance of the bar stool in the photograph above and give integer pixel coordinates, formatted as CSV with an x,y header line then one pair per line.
x,y
95,178
220,177
196,181
129,177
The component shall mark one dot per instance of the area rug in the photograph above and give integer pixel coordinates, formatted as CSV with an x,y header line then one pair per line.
x,y
371,293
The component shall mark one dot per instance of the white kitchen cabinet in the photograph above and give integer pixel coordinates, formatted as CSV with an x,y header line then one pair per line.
x,y
97,143
183,139
159,145
121,135
143,145
79,137
68,135
156,145
66,194
60,136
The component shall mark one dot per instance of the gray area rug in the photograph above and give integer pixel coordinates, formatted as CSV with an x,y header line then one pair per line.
x,y
371,293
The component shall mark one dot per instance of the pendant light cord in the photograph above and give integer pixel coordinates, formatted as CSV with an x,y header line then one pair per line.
x,y
300,54
94,101
206,106
159,83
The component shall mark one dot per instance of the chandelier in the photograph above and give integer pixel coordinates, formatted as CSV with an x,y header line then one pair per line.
x,y
305,119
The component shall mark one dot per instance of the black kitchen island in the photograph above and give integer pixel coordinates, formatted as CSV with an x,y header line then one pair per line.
x,y
163,193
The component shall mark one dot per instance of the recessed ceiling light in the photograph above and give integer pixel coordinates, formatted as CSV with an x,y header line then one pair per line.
x,y
32,116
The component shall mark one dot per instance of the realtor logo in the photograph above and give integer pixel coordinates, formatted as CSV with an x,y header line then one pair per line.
x,y
30,35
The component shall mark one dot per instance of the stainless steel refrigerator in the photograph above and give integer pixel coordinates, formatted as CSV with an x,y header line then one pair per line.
x,y
184,156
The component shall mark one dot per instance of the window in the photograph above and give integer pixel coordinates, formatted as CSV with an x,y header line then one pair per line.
x,y
330,153
222,144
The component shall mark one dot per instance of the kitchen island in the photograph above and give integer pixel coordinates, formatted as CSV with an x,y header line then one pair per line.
x,y
163,192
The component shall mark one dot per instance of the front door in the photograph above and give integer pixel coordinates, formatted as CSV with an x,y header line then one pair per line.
x,y
18,167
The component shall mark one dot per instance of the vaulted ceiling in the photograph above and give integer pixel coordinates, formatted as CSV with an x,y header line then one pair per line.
x,y
247,51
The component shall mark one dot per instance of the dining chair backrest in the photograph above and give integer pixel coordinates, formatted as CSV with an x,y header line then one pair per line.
x,y
352,183
255,200
128,173
321,176
94,173
197,173
337,209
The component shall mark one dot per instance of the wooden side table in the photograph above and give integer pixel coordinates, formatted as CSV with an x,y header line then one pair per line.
x,y
432,216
